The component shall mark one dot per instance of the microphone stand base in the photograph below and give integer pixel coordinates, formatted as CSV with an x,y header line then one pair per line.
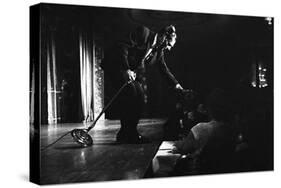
x,y
82,137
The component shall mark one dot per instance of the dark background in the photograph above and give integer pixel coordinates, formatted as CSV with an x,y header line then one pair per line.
x,y
212,51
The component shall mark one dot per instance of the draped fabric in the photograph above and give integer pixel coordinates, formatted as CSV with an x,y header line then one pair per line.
x,y
31,94
91,80
87,59
51,82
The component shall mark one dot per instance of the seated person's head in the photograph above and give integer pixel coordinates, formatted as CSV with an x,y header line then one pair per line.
x,y
188,99
218,105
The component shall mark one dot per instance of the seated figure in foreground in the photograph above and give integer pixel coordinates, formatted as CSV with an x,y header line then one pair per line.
x,y
210,143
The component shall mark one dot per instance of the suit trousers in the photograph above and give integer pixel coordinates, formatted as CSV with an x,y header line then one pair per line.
x,y
130,104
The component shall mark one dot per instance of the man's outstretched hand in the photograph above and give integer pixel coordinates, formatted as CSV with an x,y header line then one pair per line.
x,y
129,75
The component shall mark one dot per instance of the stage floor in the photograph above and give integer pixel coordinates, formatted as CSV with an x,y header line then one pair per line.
x,y
67,162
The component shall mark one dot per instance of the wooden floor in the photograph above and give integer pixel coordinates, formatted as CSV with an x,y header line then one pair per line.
x,y
67,162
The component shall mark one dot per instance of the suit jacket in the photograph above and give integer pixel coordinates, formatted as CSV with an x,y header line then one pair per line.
x,y
129,54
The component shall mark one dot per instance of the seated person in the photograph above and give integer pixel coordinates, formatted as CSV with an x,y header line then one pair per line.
x,y
195,116
185,113
210,142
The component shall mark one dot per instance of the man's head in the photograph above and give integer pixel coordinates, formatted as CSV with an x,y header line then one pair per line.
x,y
167,35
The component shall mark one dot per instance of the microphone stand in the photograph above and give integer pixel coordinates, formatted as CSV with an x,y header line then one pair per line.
x,y
81,136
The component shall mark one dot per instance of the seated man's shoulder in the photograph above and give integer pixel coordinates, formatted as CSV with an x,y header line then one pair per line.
x,y
200,129
201,125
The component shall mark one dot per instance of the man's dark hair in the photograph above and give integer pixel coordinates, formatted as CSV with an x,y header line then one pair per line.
x,y
168,30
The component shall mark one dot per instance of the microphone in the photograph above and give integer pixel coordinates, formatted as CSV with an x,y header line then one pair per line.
x,y
154,49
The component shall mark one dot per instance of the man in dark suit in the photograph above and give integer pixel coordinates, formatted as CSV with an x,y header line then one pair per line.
x,y
126,62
